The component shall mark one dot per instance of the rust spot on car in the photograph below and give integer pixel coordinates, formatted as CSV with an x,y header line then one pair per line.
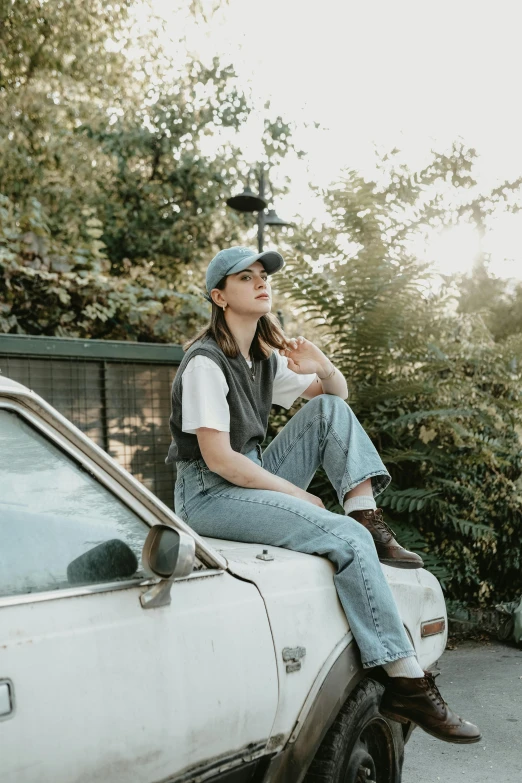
x,y
275,742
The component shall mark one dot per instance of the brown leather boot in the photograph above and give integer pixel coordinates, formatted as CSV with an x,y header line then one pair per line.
x,y
389,550
418,701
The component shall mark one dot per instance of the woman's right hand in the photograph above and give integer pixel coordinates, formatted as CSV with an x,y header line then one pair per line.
x,y
302,494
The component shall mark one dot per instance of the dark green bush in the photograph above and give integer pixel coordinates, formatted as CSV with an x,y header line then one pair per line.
x,y
440,399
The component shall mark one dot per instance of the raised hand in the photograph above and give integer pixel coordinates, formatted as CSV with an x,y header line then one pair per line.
x,y
304,357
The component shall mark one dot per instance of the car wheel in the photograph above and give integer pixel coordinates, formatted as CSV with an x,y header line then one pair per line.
x,y
361,746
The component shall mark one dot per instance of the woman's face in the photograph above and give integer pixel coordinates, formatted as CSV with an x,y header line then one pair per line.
x,y
248,292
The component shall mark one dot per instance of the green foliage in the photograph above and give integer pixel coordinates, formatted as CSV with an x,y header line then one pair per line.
x,y
47,287
498,302
56,72
111,207
105,158
159,197
440,399
112,204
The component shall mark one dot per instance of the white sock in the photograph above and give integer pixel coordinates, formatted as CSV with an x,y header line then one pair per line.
x,y
404,667
359,503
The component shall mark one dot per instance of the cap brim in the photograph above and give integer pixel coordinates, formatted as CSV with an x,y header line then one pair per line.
x,y
271,261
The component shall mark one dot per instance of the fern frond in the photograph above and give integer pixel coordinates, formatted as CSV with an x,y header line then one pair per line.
x,y
411,499
422,415
441,401
473,529
398,456
411,538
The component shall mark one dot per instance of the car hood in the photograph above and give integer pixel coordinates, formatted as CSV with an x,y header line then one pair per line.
x,y
243,560
293,580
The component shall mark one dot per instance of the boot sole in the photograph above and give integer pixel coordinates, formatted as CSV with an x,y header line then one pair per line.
x,y
453,740
401,563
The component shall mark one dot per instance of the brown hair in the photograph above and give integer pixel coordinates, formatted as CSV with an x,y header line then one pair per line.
x,y
269,333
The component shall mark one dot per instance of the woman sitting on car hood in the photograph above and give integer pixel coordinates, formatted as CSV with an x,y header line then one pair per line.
x,y
226,487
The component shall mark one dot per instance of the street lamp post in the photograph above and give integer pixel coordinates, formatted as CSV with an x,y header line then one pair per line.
x,y
247,201
261,213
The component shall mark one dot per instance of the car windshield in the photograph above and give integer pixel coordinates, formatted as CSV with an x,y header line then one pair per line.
x,y
52,511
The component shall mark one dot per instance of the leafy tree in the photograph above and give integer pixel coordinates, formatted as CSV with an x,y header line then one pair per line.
x,y
433,390
86,125
56,73
496,300
97,147
160,198
48,287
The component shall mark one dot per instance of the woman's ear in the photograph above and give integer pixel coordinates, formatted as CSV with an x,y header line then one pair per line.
x,y
217,297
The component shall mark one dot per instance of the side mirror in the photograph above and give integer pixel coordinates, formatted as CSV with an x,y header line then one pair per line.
x,y
170,554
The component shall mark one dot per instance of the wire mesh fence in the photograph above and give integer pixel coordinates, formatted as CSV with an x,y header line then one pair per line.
x,y
116,393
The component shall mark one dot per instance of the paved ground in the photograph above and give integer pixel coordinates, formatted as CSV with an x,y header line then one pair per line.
x,y
483,683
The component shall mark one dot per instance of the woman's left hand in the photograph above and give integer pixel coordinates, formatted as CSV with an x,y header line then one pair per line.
x,y
304,357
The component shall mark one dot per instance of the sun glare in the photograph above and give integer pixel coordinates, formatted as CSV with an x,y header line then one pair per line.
x,y
502,243
455,249
343,111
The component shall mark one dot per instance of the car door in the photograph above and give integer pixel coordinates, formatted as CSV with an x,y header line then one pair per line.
x,y
93,687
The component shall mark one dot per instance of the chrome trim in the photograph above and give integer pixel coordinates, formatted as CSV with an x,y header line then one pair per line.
x,y
102,466
186,557
159,595
186,553
74,592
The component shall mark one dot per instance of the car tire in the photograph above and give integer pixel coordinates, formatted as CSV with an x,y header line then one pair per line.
x,y
361,746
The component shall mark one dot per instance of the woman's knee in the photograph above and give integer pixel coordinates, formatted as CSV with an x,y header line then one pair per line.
x,y
359,533
345,550
358,538
346,533
329,402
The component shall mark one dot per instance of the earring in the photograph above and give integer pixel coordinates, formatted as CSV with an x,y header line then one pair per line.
x,y
224,307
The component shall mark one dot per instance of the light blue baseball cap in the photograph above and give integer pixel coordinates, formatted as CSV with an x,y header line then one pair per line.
x,y
235,259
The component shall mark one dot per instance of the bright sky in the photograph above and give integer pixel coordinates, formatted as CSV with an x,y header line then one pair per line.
x,y
407,74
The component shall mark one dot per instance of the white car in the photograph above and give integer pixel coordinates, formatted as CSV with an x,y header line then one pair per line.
x,y
131,655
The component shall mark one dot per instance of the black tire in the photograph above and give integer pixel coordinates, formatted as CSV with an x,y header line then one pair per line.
x,y
361,745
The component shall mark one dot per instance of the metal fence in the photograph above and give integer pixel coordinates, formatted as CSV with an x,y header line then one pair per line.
x,y
117,393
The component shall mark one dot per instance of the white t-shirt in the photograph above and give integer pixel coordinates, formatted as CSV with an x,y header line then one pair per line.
x,y
204,396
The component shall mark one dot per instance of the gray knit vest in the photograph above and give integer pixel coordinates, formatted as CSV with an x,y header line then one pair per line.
x,y
249,401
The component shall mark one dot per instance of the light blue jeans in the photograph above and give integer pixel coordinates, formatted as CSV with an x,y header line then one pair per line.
x,y
324,432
